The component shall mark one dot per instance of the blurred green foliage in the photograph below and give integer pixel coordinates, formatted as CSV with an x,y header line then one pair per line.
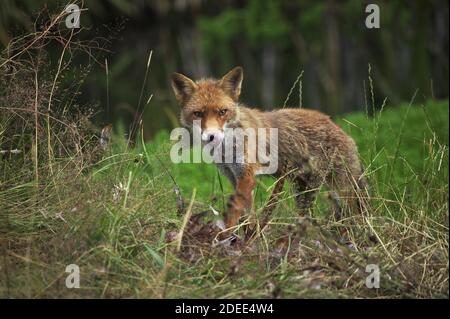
x,y
273,40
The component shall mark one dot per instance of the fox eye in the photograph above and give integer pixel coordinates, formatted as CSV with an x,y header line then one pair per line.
x,y
222,112
198,114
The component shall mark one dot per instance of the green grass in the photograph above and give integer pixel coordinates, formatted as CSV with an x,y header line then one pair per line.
x,y
63,200
398,147
111,218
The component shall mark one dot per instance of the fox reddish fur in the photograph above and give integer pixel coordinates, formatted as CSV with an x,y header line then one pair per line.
x,y
312,150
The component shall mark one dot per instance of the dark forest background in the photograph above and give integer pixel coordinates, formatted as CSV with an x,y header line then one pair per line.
x,y
275,41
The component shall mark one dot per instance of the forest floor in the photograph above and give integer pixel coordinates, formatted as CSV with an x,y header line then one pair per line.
x,y
118,218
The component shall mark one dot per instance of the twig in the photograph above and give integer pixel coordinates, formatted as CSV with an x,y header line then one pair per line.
x,y
187,216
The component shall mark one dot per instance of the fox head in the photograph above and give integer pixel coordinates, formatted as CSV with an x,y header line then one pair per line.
x,y
213,103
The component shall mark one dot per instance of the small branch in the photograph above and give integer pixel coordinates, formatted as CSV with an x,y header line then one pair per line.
x,y
187,216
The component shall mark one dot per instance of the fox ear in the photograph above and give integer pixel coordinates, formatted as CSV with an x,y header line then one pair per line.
x,y
183,87
232,81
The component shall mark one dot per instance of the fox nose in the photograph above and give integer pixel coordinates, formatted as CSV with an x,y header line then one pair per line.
x,y
215,136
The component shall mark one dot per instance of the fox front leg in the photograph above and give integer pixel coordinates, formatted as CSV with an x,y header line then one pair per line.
x,y
242,199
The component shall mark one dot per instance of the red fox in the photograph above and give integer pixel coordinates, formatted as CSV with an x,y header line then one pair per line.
x,y
312,150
